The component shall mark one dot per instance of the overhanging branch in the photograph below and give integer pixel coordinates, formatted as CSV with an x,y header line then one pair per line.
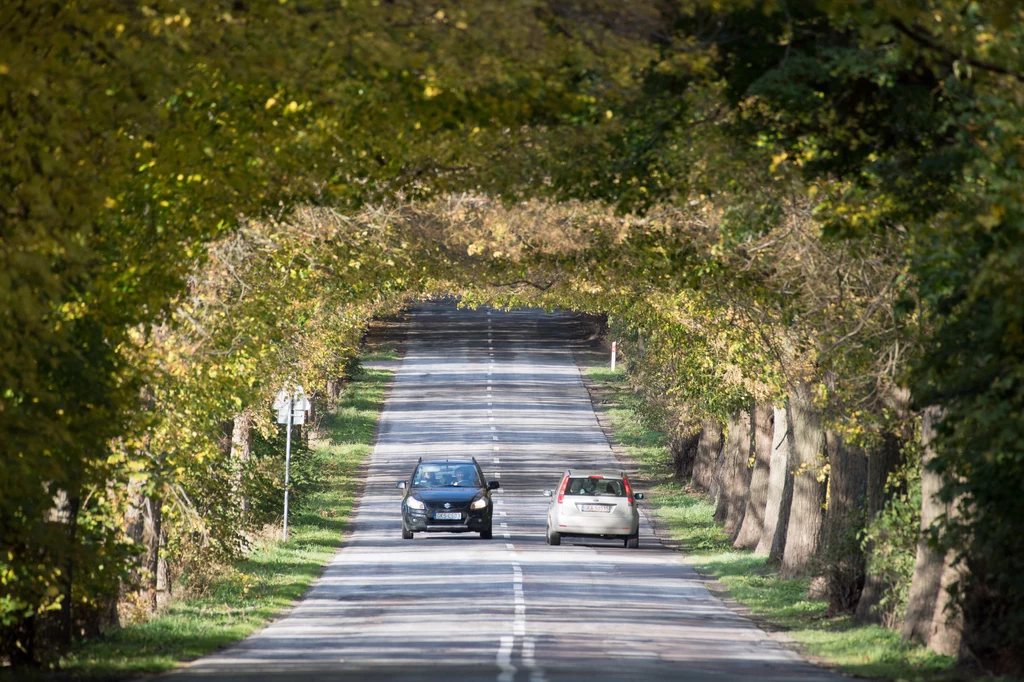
x,y
922,38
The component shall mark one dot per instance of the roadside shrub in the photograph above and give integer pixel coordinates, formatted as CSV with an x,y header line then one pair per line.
x,y
890,540
263,482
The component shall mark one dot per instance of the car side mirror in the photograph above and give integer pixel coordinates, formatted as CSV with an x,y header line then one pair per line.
x,y
493,485
400,485
638,496
547,493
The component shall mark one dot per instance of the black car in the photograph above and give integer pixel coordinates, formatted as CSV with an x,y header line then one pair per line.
x,y
447,496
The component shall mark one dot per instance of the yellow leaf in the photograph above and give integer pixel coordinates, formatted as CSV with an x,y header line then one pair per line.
x,y
778,159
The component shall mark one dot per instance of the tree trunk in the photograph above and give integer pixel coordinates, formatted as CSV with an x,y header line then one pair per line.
x,y
135,530
735,474
716,478
227,428
70,506
757,501
135,515
946,634
163,575
847,488
881,462
927,580
803,537
684,453
154,530
241,450
780,491
709,444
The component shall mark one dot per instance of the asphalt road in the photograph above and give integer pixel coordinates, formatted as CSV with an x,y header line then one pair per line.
x,y
501,386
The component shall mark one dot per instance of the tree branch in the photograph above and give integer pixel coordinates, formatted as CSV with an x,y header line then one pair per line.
x,y
927,41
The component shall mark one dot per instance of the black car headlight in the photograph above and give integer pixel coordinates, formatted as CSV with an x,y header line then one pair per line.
x,y
479,503
413,503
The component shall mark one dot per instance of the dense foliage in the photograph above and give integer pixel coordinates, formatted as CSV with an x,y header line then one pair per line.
x,y
817,196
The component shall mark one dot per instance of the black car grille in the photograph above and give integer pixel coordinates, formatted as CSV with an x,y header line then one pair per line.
x,y
453,506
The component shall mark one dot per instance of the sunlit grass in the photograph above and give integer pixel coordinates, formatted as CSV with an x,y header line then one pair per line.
x,y
865,650
249,594
384,350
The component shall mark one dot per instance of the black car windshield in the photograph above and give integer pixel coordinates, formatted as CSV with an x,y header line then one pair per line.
x,y
445,474
596,486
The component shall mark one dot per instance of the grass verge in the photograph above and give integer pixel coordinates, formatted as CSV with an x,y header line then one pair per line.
x,y
864,650
253,591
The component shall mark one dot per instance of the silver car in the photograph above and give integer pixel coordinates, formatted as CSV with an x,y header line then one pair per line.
x,y
594,504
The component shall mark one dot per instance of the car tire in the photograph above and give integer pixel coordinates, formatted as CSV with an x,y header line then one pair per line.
x,y
487,533
632,541
554,538
406,534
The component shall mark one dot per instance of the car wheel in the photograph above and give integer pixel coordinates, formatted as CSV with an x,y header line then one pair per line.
x,y
632,541
485,534
554,538
406,534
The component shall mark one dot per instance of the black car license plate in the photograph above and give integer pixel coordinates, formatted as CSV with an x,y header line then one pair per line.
x,y
448,516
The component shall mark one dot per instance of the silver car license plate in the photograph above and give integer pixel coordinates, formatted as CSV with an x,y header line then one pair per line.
x,y
448,516
595,508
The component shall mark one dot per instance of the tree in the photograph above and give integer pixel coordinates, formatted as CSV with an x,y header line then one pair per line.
x,y
803,535
780,490
924,591
735,475
753,527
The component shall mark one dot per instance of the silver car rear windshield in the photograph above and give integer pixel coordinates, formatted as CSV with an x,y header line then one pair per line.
x,y
442,475
596,486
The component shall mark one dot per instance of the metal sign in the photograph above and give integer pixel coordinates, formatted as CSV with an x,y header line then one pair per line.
x,y
300,406
297,402
291,409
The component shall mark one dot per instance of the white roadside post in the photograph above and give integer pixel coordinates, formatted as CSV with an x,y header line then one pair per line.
x,y
614,344
291,409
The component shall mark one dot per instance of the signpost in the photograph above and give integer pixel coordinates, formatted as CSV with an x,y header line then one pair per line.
x,y
614,352
291,409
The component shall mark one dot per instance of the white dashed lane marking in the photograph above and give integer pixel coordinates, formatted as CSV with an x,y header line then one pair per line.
x,y
508,671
